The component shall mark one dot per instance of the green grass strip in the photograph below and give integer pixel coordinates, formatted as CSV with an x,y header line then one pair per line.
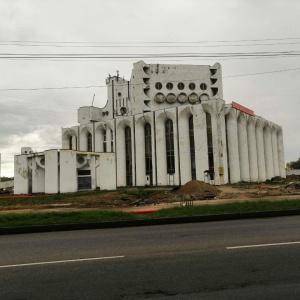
x,y
22,219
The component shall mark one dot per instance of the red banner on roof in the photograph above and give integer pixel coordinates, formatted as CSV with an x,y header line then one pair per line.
x,y
242,108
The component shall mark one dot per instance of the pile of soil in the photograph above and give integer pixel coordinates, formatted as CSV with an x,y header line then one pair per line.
x,y
196,189
292,177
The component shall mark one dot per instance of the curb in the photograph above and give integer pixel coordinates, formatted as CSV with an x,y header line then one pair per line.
x,y
148,222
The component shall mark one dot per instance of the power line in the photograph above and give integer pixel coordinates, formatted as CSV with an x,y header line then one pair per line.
x,y
137,84
146,45
261,73
40,110
23,100
172,54
53,88
105,56
151,42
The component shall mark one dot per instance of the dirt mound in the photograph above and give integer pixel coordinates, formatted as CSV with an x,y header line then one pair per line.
x,y
196,188
292,177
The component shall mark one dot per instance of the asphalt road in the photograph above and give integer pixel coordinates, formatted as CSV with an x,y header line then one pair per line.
x,y
186,261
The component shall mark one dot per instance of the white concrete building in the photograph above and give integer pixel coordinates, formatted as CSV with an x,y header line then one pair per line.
x,y
63,171
169,124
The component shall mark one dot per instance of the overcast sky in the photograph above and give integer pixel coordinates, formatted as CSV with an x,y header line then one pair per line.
x,y
34,117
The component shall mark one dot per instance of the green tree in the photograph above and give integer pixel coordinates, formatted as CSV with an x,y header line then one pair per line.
x,y
293,165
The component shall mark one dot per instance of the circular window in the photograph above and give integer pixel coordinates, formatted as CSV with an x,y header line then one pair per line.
x,y
171,98
204,97
193,97
159,97
180,85
203,86
80,160
169,85
42,161
192,86
182,97
158,85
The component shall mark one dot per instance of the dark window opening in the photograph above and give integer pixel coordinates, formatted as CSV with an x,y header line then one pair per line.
x,y
192,147
213,72
128,154
180,85
203,86
169,85
192,86
170,147
112,141
70,142
84,180
84,172
148,151
210,144
213,80
214,91
158,85
228,169
104,141
89,142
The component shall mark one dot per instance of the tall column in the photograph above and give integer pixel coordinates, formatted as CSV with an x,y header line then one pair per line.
x,y
51,171
252,150
215,108
233,147
200,137
162,178
261,165
184,147
281,159
268,152
243,147
275,152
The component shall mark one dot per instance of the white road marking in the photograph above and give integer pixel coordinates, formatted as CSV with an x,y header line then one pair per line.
x,y
61,261
262,245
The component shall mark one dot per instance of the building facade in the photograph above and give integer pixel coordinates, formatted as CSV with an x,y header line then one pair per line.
x,y
167,125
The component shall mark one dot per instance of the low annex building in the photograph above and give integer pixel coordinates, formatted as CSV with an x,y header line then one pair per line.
x,y
168,125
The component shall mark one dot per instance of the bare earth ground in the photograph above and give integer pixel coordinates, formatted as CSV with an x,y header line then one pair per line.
x,y
130,199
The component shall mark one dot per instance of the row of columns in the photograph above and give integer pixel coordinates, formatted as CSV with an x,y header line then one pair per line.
x,y
245,148
255,148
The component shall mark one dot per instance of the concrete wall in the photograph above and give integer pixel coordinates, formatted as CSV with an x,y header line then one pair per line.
x,y
56,171
6,184
293,172
52,172
106,172
21,174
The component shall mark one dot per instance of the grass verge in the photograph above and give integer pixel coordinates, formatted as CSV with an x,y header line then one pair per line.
x,y
18,219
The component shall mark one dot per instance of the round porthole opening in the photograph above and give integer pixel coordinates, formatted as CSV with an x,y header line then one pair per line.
x,y
158,85
180,85
171,98
203,86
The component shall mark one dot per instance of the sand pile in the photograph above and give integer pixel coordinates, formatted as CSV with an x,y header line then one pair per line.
x,y
197,189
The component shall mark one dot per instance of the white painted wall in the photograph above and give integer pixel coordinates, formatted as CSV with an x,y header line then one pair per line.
x,y
51,174
21,174
106,172
68,171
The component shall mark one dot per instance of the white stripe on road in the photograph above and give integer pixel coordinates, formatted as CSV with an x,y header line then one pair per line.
x,y
262,245
61,261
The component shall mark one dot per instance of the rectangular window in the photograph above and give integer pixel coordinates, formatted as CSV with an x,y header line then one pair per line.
x,y
170,147
84,180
